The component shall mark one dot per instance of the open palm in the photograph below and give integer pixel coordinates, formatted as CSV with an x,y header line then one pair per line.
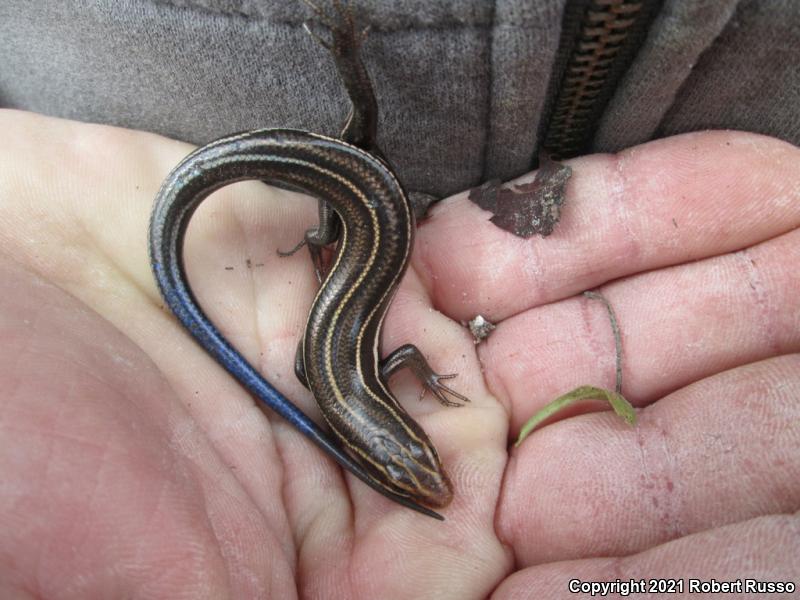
x,y
133,465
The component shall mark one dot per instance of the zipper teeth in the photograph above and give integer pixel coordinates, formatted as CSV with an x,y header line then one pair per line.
x,y
604,28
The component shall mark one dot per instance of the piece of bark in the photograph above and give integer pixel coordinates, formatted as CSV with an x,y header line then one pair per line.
x,y
526,209
480,328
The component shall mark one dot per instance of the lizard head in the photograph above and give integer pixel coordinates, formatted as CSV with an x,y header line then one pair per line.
x,y
409,465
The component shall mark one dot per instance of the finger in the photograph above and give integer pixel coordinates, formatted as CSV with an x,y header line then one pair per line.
x,y
720,451
678,325
727,554
663,203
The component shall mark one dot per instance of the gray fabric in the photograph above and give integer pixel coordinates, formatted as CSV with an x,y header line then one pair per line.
x,y
680,33
522,48
460,84
749,79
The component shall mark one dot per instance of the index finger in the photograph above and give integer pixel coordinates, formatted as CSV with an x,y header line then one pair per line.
x,y
662,203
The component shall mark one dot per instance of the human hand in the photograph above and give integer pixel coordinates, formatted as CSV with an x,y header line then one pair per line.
x,y
132,463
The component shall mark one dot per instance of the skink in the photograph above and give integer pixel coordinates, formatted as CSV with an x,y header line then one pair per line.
x,y
339,356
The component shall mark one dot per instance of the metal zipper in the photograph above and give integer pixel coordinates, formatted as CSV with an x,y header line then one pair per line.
x,y
599,40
